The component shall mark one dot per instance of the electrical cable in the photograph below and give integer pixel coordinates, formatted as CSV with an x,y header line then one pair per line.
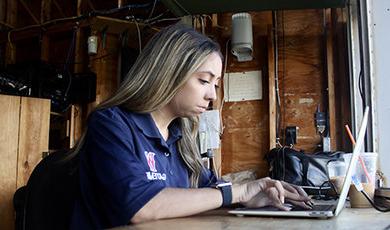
x,y
6,24
276,72
84,16
151,12
116,10
381,209
156,17
139,37
182,8
280,120
360,86
163,20
66,65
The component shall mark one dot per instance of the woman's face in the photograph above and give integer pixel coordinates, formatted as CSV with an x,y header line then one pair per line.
x,y
195,95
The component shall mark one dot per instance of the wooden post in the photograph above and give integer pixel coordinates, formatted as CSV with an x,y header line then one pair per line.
x,y
11,18
90,4
330,73
271,89
76,113
45,48
45,10
2,10
45,42
217,105
59,8
25,6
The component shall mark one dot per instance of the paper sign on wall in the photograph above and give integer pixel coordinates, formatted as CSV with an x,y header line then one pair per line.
x,y
243,86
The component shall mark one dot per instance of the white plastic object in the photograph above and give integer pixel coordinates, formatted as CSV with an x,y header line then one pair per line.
x,y
242,36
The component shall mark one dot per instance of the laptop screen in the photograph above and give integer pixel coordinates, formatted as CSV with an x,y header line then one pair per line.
x,y
352,164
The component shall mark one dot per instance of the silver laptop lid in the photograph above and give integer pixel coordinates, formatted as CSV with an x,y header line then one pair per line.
x,y
352,165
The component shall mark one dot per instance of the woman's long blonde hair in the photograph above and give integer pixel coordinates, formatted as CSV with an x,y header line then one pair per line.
x,y
165,64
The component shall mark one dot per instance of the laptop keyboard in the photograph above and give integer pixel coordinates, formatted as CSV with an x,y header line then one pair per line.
x,y
321,207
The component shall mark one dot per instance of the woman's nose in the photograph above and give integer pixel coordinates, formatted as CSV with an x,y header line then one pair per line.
x,y
211,94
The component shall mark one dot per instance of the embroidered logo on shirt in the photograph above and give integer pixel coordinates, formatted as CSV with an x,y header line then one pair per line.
x,y
151,162
153,174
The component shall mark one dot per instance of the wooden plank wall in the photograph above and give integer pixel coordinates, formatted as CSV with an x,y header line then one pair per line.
x,y
301,72
24,123
105,65
245,138
9,118
302,83
33,135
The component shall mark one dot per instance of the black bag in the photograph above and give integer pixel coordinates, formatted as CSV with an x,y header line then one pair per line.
x,y
47,201
300,168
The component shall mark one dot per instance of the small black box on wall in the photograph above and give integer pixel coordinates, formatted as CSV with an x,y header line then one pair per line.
x,y
83,88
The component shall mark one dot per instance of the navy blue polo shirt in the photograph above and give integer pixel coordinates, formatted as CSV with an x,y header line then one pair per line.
x,y
125,162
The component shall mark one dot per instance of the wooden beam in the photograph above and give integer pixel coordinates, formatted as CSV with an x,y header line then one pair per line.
x,y
45,41
84,6
114,25
70,127
45,48
3,6
271,89
20,34
59,8
120,3
330,73
29,11
11,19
12,9
45,10
217,105
90,4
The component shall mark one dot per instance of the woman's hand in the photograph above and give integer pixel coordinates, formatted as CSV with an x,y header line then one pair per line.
x,y
264,192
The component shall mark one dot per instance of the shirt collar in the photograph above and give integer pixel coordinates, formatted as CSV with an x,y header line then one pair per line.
x,y
147,126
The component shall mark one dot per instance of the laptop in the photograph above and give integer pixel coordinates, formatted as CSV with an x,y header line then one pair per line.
x,y
323,210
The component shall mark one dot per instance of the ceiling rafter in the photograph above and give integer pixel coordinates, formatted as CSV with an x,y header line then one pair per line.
x,y
29,11
58,8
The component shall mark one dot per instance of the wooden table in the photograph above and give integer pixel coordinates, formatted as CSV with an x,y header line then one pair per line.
x,y
219,219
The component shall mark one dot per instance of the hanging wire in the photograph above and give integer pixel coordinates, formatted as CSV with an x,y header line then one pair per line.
x,y
91,14
151,12
67,62
276,72
284,71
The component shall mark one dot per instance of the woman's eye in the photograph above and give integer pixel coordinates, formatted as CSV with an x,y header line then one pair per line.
x,y
216,86
204,81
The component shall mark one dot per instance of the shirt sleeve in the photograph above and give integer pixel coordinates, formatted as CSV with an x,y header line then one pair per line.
x,y
118,173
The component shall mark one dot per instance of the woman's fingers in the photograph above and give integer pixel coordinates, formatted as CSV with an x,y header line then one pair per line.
x,y
276,186
280,190
305,205
274,193
295,188
295,192
274,197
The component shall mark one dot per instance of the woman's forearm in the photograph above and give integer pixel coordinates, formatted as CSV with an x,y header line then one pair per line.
x,y
178,202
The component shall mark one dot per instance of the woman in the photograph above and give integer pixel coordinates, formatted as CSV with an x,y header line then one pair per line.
x,y
139,158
